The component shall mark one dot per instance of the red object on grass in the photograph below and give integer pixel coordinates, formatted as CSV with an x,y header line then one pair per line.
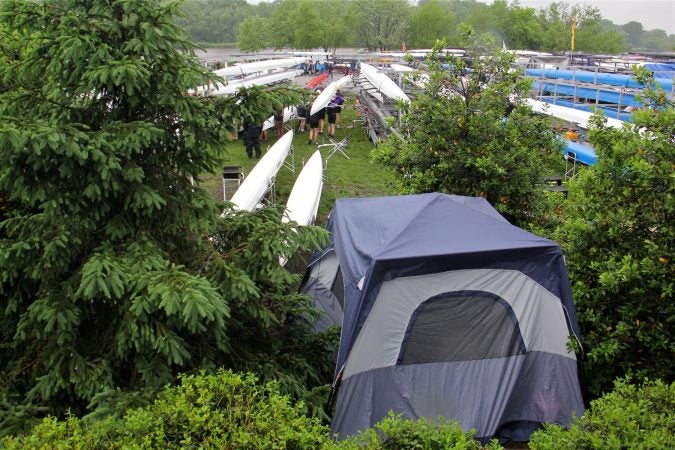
x,y
314,82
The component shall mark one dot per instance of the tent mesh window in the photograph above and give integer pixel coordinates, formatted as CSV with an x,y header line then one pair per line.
x,y
461,326
338,288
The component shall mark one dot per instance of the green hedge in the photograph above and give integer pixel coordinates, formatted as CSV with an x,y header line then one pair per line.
x,y
630,417
231,411
397,433
224,411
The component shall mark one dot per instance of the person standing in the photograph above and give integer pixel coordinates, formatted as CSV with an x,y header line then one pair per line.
x,y
279,121
332,115
302,114
338,101
313,120
251,136
321,114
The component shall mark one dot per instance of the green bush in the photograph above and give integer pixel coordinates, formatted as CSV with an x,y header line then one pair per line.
x,y
225,411
630,417
231,411
619,239
396,433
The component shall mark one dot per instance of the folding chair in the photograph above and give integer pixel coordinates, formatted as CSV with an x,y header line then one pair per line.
x,y
336,146
231,175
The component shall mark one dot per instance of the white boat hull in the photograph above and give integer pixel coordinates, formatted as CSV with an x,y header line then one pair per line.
x,y
258,66
234,86
401,68
342,81
370,89
259,180
324,98
289,112
303,201
383,83
581,118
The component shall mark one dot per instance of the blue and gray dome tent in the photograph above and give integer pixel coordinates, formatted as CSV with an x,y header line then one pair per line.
x,y
447,310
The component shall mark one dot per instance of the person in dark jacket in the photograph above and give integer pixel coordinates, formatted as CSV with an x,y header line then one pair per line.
x,y
331,109
251,136
302,114
313,120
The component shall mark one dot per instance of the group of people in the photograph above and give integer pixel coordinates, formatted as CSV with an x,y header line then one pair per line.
x,y
252,132
317,120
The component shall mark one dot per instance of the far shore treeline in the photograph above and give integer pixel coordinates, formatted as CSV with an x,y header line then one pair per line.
x,y
387,24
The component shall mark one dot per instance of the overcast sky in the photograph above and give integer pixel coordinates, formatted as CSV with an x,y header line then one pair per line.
x,y
651,13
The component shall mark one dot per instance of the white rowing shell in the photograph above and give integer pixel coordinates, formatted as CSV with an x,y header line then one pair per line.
x,y
383,83
324,98
258,66
234,86
259,180
303,201
289,112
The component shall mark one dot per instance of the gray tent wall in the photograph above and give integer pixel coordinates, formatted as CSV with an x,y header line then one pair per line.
x,y
451,311
324,284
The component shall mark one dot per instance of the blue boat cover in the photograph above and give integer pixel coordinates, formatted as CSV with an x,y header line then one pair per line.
x,y
615,79
664,72
582,153
609,111
608,95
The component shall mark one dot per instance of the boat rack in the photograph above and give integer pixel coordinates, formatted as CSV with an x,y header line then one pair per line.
x,y
336,146
375,115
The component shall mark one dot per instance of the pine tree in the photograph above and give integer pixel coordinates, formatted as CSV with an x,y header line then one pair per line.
x,y
114,271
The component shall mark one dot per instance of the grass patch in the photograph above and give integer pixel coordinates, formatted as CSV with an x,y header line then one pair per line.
x,y
354,177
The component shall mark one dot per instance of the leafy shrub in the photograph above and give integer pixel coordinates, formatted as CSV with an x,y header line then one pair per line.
x,y
631,416
231,411
460,138
226,410
396,433
619,237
